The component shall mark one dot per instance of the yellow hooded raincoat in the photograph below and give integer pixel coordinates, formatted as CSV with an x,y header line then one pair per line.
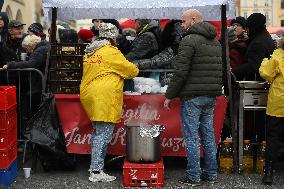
x,y
272,70
101,89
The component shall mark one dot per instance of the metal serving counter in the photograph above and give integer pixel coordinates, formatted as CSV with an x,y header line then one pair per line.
x,y
248,95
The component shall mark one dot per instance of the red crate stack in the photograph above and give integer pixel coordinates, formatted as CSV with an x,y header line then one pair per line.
x,y
148,175
7,97
8,126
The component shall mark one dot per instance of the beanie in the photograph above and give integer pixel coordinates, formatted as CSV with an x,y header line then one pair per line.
x,y
85,35
239,20
36,28
256,23
108,30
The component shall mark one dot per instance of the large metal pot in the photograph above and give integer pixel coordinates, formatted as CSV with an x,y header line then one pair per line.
x,y
141,149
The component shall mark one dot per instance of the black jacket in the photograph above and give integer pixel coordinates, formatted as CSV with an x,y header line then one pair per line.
x,y
3,40
260,46
14,48
37,60
198,65
147,44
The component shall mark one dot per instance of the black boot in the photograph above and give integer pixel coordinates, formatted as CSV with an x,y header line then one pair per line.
x,y
268,173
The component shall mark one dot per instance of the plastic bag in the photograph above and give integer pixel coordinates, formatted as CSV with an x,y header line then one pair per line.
x,y
44,128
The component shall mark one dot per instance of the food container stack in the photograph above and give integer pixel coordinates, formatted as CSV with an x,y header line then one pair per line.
x,y
8,135
66,67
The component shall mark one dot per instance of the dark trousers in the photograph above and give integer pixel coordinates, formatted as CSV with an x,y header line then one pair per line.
x,y
274,134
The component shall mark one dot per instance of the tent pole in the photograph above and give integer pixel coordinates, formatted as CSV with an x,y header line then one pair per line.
x,y
228,84
53,25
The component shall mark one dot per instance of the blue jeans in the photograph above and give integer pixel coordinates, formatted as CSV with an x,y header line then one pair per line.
x,y
101,137
197,118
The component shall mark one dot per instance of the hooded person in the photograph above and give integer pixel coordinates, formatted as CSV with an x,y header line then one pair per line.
x,y
4,20
260,46
272,70
101,93
148,41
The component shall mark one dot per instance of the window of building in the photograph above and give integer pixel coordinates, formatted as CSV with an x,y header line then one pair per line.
x,y
282,23
9,12
267,17
282,4
19,16
266,3
255,3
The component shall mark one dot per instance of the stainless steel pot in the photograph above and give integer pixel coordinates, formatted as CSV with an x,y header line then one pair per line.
x,y
141,149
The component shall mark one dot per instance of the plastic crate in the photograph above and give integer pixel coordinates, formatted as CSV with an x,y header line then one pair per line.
x,y
8,118
148,175
65,87
68,49
7,97
8,155
8,136
67,61
65,75
8,176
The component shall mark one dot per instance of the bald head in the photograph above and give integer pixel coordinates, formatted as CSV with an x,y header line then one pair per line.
x,y
190,17
193,13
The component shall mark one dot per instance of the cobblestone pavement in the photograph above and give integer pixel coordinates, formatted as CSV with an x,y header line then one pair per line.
x,y
174,169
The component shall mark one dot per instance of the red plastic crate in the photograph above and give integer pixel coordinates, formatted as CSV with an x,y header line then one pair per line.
x,y
7,97
8,118
8,155
148,175
8,136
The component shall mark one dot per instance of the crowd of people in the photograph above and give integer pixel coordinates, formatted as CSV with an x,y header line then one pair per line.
x,y
189,47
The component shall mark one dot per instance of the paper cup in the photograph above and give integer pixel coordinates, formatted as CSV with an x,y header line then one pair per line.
x,y
23,56
27,172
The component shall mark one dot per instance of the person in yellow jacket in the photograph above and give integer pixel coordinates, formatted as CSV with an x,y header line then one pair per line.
x,y
272,70
101,93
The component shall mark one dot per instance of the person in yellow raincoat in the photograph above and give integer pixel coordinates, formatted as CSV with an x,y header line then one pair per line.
x,y
272,70
101,93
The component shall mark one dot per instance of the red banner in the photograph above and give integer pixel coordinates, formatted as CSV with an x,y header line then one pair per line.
x,y
149,108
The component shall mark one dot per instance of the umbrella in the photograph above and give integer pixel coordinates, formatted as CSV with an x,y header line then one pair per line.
x,y
157,9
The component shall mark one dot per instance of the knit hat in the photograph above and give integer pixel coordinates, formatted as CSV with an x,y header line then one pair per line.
x,y
128,27
36,28
239,20
85,35
108,30
256,23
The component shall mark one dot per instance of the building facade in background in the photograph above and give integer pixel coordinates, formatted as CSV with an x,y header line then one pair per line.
x,y
26,11
272,9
